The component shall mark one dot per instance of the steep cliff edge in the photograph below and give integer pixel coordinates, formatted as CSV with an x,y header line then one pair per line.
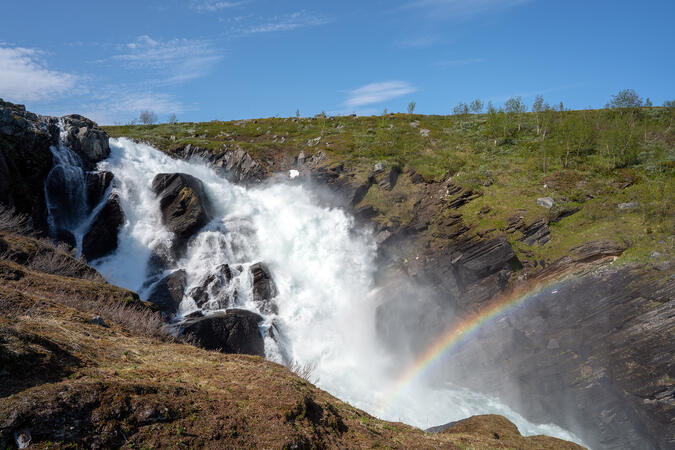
x,y
26,158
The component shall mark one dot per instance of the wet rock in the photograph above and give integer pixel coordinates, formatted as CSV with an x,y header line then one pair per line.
x,y
546,202
161,258
214,289
96,185
86,139
168,292
102,237
22,438
264,288
236,331
184,205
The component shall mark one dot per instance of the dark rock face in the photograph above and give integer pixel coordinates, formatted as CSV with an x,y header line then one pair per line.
x,y
86,139
101,239
234,332
235,165
214,289
185,207
96,185
25,160
592,354
264,289
168,292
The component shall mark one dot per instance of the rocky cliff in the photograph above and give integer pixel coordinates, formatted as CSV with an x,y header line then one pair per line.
x,y
591,357
26,158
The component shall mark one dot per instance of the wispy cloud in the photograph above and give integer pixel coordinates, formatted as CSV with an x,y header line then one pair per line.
x,y
377,93
286,22
182,59
460,8
459,62
213,5
24,76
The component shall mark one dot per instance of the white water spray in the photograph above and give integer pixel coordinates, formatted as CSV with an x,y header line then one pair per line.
x,y
323,268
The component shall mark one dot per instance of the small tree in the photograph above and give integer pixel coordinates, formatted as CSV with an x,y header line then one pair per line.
x,y
515,106
297,113
626,98
648,103
147,117
476,106
461,109
172,119
537,109
411,107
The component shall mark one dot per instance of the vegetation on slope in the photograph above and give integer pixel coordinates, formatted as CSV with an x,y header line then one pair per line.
x,y
588,161
69,381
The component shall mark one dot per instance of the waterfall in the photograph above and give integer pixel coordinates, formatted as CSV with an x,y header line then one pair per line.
x,y
323,267
66,193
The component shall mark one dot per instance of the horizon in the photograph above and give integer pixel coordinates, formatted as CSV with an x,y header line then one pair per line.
x,y
229,60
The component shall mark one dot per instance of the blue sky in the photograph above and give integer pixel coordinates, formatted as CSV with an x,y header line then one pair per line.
x,y
215,59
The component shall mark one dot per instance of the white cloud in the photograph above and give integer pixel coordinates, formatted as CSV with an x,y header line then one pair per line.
x,y
24,76
212,5
378,92
285,22
461,8
177,59
459,62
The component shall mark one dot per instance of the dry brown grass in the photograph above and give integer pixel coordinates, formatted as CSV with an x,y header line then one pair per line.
x,y
126,390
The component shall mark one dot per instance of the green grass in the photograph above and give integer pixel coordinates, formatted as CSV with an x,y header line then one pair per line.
x,y
585,159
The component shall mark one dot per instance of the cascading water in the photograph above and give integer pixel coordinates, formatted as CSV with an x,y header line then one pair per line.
x,y
323,269
66,193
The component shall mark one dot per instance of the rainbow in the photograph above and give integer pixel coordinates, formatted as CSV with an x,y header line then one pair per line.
x,y
461,332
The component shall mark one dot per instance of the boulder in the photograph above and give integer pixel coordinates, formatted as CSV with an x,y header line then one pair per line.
x,y
264,288
236,331
101,239
168,292
184,205
546,202
96,185
214,288
85,138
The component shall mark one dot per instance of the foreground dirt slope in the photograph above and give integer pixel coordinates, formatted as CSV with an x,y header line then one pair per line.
x,y
67,381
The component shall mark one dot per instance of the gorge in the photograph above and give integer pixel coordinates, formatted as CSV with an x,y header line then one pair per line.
x,y
280,258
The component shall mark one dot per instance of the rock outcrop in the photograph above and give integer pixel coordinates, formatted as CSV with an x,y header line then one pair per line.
x,y
85,138
235,165
184,205
592,354
264,288
213,292
25,160
234,332
96,184
168,292
102,237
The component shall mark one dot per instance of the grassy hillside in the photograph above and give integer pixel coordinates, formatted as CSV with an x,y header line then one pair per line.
x,y
69,381
589,162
